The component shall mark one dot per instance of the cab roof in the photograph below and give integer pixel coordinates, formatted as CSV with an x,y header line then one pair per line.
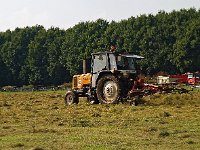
x,y
119,54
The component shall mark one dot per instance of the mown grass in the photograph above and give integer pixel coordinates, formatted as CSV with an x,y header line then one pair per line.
x,y
40,120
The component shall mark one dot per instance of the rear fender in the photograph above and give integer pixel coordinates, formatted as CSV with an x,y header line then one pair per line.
x,y
101,74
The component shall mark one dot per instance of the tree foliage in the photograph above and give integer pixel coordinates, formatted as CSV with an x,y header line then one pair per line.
x,y
170,42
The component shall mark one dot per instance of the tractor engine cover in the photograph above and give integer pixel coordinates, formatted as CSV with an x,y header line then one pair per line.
x,y
80,81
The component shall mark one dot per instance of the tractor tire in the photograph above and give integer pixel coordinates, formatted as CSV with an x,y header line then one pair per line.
x,y
71,98
108,90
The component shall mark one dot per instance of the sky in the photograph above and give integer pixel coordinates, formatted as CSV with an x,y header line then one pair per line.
x,y
67,13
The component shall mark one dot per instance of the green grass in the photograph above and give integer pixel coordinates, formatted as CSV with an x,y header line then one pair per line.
x,y
40,120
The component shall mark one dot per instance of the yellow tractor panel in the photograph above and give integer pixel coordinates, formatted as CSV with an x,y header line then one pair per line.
x,y
80,81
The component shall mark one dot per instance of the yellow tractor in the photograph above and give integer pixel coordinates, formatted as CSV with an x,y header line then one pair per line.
x,y
110,80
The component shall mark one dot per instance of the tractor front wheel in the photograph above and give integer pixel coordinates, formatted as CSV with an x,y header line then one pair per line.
x,y
71,98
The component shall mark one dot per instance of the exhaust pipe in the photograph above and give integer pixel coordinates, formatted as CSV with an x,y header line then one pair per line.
x,y
84,66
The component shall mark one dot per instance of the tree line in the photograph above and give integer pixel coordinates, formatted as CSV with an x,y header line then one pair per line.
x,y
170,42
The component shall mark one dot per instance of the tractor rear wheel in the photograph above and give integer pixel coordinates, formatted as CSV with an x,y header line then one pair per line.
x,y
108,90
71,98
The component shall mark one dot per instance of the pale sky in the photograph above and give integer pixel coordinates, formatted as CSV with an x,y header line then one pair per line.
x,y
67,13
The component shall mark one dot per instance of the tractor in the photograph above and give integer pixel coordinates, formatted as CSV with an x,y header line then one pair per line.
x,y
111,78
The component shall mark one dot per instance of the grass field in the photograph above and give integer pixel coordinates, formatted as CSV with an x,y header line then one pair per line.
x,y
40,121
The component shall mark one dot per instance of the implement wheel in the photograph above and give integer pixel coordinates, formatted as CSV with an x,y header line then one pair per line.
x,y
108,90
71,98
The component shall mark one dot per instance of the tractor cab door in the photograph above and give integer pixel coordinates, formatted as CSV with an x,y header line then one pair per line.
x,y
99,63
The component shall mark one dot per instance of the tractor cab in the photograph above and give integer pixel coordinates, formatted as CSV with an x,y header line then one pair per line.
x,y
110,61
